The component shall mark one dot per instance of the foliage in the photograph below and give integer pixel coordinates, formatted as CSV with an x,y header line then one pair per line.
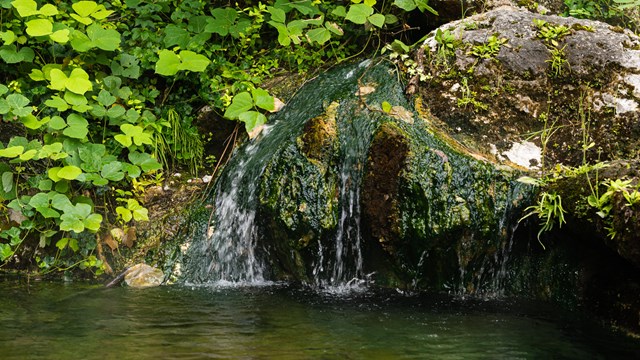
x,y
101,95
488,49
615,12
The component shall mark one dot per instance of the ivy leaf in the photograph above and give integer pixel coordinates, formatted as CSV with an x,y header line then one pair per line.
x,y
70,222
124,213
223,19
277,14
105,39
339,11
62,203
263,100
406,5
168,63
92,222
8,37
252,119
25,7
77,127
140,213
39,27
69,172
7,181
133,134
58,103
80,42
334,28
359,13
112,171
240,103
320,35
57,123
78,82
48,10
145,161
12,151
11,55
175,35
192,61
60,36
105,98
115,112
376,20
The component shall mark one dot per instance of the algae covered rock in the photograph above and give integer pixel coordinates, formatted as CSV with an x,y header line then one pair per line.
x,y
368,187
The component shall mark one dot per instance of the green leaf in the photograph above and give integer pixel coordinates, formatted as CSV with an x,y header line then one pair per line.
x,y
80,42
140,213
71,222
25,7
124,213
192,61
11,55
320,35
386,107
12,151
105,39
62,202
69,172
377,20
239,104
116,111
60,36
359,13
49,10
252,119
7,181
105,98
175,35
57,123
263,100
78,82
145,161
334,28
168,63
8,37
339,11
77,127
92,222
406,5
17,101
85,8
58,103
277,14
39,27
31,122
62,243
223,19
112,171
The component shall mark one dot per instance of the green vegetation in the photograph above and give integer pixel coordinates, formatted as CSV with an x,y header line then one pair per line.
x,y
98,98
615,12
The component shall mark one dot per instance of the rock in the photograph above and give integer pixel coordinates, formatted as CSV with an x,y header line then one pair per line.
x,y
143,276
496,98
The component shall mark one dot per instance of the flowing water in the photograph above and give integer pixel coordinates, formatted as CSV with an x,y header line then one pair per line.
x,y
71,321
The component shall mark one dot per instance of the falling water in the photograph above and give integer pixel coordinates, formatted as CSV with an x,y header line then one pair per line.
x,y
231,249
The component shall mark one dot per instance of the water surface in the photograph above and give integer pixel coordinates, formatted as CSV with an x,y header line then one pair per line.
x,y
75,321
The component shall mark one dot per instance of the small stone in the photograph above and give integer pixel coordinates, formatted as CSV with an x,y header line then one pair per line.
x,y
207,178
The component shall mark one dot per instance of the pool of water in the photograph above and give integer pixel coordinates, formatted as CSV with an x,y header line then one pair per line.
x,y
43,320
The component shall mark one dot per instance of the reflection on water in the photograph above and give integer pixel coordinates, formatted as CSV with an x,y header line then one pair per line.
x,y
72,321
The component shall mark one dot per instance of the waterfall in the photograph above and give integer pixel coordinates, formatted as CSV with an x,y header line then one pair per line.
x,y
229,249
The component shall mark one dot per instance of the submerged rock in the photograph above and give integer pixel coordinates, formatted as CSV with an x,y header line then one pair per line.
x,y
143,276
